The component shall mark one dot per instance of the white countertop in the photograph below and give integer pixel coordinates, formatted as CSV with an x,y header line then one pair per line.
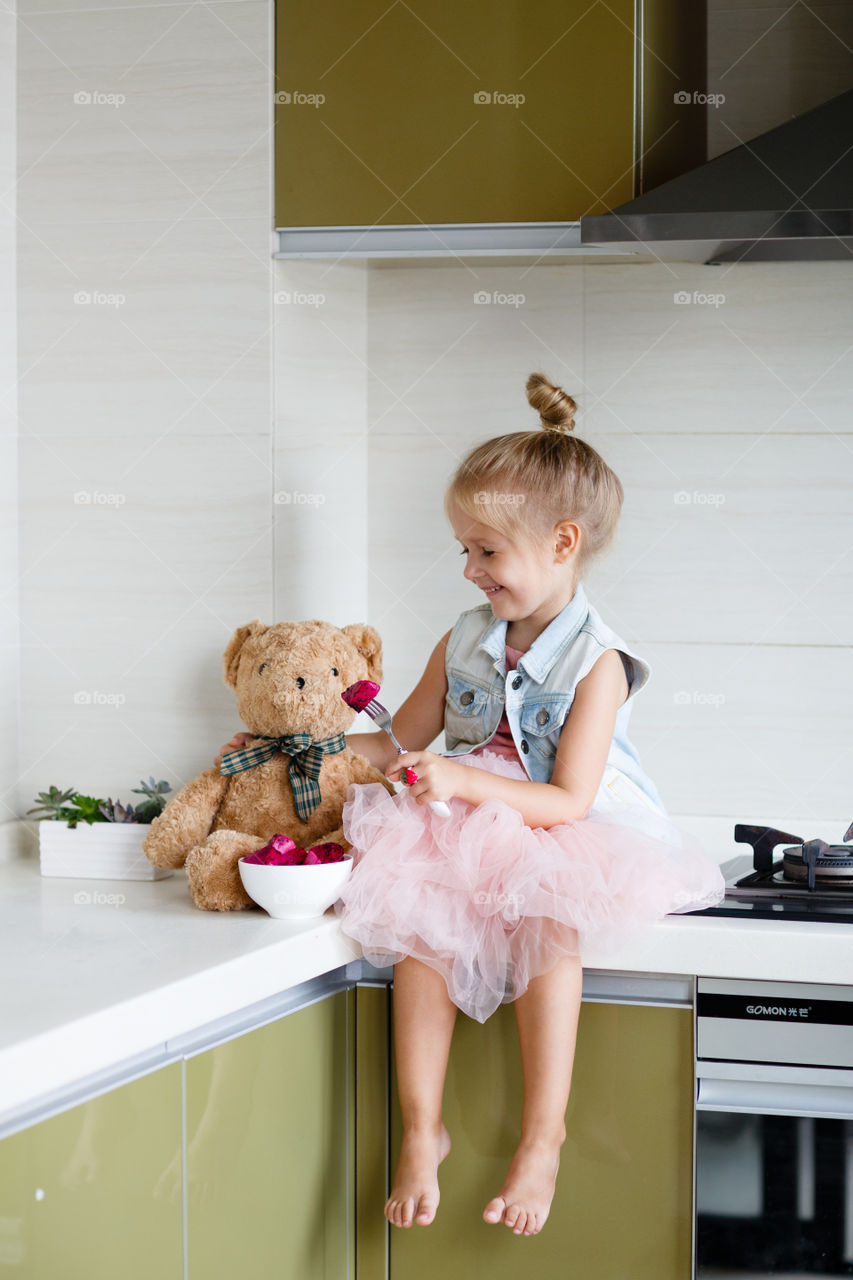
x,y
90,983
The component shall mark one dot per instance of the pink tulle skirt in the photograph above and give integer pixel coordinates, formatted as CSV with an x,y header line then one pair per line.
x,y
491,903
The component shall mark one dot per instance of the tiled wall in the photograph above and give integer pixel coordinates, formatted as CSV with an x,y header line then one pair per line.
x,y
727,418
215,436
145,390
9,653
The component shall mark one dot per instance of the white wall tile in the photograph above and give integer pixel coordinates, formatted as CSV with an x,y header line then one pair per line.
x,y
9,602
442,362
731,538
26,8
131,603
190,139
165,400
321,457
176,337
748,729
757,347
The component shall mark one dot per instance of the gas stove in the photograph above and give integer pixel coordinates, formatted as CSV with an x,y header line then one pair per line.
x,y
812,880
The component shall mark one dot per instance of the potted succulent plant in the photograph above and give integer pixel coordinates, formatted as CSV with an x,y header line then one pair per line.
x,y
84,836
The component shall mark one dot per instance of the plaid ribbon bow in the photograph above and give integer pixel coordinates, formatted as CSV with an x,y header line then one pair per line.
x,y
306,760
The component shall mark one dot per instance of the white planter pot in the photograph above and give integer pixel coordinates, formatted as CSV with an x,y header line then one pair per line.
x,y
100,851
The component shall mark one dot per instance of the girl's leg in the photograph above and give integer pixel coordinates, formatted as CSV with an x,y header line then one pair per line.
x,y
424,1017
547,1018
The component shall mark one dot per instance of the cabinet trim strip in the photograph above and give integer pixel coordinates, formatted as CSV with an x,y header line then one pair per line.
x,y
440,240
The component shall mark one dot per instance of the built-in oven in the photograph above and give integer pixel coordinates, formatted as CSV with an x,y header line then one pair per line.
x,y
774,1130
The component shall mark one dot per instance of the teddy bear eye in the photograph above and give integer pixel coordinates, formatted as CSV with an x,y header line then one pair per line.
x,y
300,683
334,671
261,667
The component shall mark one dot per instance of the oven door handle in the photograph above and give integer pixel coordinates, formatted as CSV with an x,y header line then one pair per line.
x,y
774,1098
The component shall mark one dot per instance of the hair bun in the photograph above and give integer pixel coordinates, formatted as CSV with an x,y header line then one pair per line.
x,y
556,408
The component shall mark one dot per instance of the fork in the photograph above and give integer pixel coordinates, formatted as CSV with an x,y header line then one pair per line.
x,y
381,716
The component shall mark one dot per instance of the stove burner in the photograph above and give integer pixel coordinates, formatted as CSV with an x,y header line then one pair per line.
x,y
818,861
809,861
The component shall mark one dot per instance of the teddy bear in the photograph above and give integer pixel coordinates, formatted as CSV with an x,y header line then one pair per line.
x,y
292,777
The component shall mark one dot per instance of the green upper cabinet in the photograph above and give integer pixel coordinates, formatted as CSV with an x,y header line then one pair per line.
x,y
96,1192
488,112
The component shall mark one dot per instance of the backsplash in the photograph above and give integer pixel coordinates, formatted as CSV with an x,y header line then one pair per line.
x,y
9,620
720,397
207,435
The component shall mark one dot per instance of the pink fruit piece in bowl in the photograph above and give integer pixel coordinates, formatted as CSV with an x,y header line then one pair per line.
x,y
328,852
359,694
280,852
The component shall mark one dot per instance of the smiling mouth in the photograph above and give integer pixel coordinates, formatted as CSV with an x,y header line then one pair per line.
x,y
490,591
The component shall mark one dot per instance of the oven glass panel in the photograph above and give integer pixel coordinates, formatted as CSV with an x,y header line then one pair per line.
x,y
774,1196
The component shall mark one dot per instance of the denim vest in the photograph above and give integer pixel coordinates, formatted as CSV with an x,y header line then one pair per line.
x,y
539,693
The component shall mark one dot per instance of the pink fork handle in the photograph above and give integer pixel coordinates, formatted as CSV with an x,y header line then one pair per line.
x,y
438,806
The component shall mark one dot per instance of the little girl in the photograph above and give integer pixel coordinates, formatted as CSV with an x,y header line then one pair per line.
x,y
555,833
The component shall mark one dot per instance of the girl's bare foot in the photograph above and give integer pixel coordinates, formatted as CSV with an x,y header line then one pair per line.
x,y
524,1200
414,1194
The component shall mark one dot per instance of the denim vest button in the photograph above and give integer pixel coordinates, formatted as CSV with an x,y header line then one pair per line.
x,y
467,698
542,716
517,682
525,746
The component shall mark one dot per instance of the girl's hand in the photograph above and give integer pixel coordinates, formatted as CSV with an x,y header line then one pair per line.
x,y
438,778
236,744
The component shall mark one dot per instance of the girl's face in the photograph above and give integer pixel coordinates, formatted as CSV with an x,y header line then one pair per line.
x,y
519,580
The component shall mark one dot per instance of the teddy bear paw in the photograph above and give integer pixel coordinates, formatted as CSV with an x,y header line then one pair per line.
x,y
213,874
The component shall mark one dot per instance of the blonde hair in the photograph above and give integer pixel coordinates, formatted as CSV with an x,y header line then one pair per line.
x,y
524,483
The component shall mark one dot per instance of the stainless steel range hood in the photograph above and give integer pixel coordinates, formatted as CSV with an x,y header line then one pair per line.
x,y
784,196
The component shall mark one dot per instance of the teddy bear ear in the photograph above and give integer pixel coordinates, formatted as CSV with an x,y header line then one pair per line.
x,y
231,660
369,644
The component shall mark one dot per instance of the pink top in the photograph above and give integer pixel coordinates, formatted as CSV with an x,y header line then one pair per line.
x,y
502,743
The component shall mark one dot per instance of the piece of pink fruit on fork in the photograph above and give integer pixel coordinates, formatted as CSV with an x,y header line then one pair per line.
x,y
359,694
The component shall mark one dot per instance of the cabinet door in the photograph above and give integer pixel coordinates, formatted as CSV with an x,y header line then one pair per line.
x,y
624,1190
95,1192
489,111
270,1150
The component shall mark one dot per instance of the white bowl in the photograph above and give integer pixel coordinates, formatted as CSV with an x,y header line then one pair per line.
x,y
295,893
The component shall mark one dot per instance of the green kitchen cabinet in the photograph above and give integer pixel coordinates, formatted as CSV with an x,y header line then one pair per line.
x,y
95,1192
495,111
624,1192
270,1149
